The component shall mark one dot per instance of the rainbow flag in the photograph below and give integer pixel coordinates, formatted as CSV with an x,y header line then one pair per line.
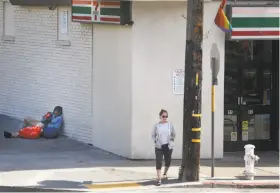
x,y
221,19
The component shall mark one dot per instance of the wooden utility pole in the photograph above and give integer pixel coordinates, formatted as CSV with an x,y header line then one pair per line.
x,y
189,170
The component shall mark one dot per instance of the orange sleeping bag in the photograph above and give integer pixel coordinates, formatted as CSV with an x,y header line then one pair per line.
x,y
30,132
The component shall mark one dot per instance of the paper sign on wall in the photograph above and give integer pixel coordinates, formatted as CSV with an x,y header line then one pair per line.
x,y
64,22
245,136
178,81
233,136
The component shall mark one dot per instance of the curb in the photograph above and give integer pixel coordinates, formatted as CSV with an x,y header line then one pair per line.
x,y
230,184
193,185
243,184
240,185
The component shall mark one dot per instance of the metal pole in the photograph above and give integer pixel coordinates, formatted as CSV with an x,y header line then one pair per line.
x,y
214,82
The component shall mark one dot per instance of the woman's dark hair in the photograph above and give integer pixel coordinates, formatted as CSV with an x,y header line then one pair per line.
x,y
58,109
162,111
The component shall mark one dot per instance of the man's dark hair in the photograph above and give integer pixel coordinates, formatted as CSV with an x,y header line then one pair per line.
x,y
58,109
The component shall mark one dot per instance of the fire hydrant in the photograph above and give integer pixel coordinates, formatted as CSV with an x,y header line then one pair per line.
x,y
250,160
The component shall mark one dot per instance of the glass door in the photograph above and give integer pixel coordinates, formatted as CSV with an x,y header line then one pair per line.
x,y
247,98
231,98
235,56
255,106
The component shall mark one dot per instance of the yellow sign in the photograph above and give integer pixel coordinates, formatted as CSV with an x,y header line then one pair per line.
x,y
245,125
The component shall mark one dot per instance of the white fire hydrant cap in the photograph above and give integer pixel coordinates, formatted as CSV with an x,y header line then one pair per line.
x,y
249,146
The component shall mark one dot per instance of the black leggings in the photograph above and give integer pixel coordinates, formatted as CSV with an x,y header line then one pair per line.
x,y
166,152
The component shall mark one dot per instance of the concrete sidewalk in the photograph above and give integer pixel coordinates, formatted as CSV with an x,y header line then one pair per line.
x,y
65,164
76,166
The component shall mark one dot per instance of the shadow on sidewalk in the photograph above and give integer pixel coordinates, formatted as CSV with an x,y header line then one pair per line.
x,y
31,189
62,184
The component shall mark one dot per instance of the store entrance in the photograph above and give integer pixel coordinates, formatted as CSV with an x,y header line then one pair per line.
x,y
251,95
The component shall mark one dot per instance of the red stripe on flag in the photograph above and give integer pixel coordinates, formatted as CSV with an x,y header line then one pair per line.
x,y
88,18
255,33
223,3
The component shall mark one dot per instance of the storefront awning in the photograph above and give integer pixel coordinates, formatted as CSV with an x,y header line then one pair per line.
x,y
254,22
40,2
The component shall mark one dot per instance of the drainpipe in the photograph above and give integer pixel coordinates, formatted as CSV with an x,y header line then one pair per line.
x,y
92,82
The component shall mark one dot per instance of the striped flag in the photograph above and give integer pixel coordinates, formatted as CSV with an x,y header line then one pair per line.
x,y
221,19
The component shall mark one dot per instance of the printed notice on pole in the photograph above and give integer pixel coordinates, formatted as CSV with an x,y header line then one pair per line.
x,y
178,81
233,136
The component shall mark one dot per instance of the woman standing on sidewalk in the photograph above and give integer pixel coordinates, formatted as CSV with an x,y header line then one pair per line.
x,y
163,136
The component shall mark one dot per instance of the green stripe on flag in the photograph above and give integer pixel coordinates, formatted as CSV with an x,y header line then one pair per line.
x,y
110,11
82,10
255,22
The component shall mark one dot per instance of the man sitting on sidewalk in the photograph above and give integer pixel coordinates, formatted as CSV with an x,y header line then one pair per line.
x,y
49,127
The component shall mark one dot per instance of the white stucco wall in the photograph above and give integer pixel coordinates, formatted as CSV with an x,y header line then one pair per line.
x,y
158,48
212,34
112,55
